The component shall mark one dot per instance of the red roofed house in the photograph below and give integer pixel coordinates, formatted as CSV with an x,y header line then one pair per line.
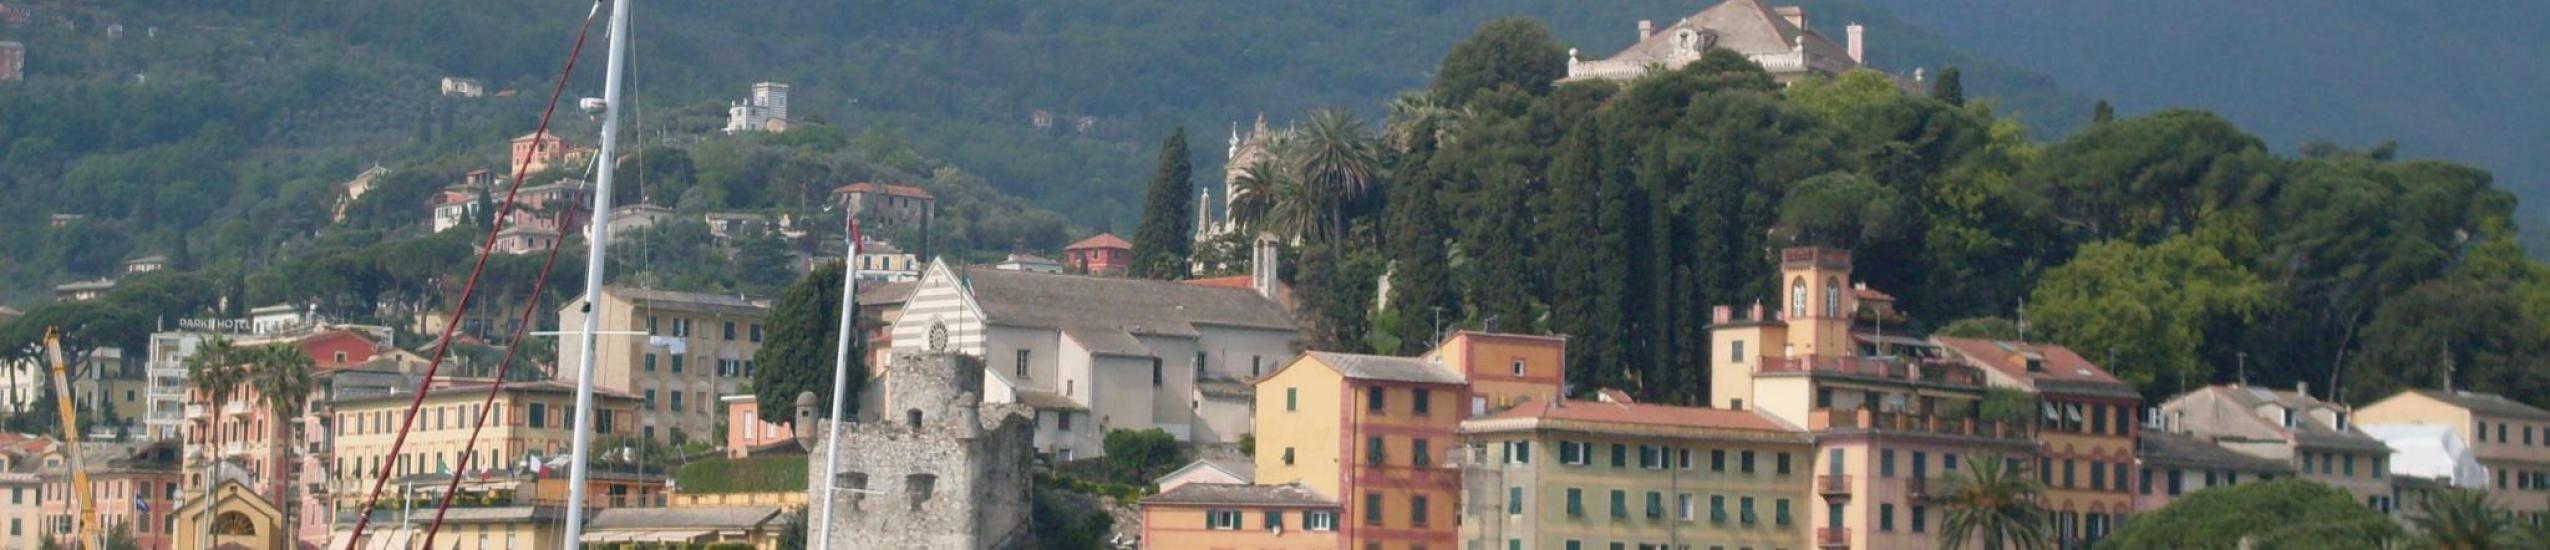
x,y
552,151
884,204
1104,255
2085,430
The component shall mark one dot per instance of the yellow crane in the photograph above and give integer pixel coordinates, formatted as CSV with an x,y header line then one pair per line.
x,y
85,522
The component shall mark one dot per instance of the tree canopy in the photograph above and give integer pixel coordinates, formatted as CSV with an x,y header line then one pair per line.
x,y
2285,513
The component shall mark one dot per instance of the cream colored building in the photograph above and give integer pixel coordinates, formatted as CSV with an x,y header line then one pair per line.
x,y
2510,438
1776,37
695,348
1600,474
529,418
2318,438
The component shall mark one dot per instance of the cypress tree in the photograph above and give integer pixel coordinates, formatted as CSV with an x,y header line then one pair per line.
x,y
1161,244
1950,87
1421,271
798,354
1585,256
2102,113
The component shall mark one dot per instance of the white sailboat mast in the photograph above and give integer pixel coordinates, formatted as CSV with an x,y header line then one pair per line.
x,y
598,231
840,382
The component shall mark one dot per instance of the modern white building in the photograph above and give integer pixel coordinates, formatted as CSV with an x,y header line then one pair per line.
x,y
2431,452
1093,354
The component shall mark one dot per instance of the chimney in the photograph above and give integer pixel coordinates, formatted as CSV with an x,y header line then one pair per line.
x,y
1722,314
1795,14
2302,387
1646,28
1859,53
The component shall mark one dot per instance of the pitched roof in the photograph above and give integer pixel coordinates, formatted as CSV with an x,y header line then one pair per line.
x,y
1386,368
1234,281
2486,403
1599,415
1103,240
719,517
690,301
1749,27
1104,314
1288,495
889,189
2306,431
2062,370
885,293
1048,401
1240,469
2174,449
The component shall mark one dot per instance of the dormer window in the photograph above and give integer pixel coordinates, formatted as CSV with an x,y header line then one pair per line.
x,y
2288,416
2341,421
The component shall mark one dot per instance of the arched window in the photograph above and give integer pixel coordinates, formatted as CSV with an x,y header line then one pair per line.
x,y
1797,297
233,523
1832,297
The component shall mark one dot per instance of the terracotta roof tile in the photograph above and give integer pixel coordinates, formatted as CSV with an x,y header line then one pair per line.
x,y
1103,240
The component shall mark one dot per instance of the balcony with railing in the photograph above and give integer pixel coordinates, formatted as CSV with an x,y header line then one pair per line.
x,y
1833,537
1884,368
1917,487
1833,485
1917,424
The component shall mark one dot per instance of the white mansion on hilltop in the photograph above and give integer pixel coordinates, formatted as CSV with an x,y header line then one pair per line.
x,y
1776,37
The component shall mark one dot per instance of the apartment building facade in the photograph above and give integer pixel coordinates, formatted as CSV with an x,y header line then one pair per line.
x,y
1259,517
2318,438
2085,430
2509,438
696,348
1608,474
1890,415
529,421
1373,430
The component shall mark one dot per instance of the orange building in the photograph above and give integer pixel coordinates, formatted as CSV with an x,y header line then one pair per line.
x,y
1256,517
1505,370
2085,431
1379,432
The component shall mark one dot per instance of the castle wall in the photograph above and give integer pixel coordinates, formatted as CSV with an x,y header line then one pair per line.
x,y
959,478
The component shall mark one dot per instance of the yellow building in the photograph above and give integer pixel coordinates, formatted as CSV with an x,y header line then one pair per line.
x,y
1891,415
241,520
2511,438
1376,432
1257,517
529,418
698,348
1600,474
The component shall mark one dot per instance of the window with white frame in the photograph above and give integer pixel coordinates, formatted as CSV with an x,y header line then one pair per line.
x,y
1222,520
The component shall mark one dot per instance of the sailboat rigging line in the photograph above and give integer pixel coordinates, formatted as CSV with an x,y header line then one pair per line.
x,y
460,309
469,450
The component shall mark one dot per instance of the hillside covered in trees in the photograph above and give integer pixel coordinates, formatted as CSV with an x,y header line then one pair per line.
x,y
2173,247
218,131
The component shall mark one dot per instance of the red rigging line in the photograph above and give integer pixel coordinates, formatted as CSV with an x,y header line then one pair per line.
x,y
469,290
469,450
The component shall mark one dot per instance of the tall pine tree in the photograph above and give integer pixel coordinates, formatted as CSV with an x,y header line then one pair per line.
x,y
804,328
1162,243
1949,87
1420,269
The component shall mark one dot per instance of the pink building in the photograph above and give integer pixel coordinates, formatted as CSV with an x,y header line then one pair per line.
x,y
1104,255
134,485
745,430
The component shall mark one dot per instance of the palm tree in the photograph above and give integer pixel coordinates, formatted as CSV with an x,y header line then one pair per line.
x,y
1416,114
1992,501
2460,519
1265,197
281,374
215,373
1339,161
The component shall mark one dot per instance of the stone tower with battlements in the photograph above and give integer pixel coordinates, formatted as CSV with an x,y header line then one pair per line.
x,y
932,466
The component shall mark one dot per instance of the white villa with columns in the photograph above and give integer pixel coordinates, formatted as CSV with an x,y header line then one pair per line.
x,y
1777,37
